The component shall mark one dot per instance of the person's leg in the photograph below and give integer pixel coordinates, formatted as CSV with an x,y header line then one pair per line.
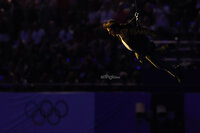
x,y
159,64
138,57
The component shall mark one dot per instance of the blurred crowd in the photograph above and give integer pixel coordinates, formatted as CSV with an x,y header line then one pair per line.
x,y
60,41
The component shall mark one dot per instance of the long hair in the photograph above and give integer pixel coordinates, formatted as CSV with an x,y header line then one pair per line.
x,y
111,24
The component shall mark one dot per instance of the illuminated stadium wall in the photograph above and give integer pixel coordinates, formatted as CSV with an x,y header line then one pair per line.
x,y
71,112
102,112
20,113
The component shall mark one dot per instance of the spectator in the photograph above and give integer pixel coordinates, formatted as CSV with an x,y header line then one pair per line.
x,y
161,12
106,12
25,34
37,34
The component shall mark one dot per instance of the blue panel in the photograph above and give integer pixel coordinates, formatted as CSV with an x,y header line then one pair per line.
x,y
192,113
115,112
17,109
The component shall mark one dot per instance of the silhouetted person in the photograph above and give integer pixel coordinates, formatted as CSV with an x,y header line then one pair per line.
x,y
135,39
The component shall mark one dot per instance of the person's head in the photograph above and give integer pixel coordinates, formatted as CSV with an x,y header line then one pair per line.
x,y
112,27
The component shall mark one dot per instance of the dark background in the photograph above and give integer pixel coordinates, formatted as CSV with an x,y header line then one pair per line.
x,y
60,45
62,41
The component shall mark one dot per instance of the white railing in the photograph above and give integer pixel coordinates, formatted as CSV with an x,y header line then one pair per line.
x,y
174,42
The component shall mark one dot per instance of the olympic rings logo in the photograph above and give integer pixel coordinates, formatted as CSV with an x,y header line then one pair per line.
x,y
46,111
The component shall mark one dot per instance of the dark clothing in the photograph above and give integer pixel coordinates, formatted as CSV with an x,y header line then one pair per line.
x,y
137,39
138,42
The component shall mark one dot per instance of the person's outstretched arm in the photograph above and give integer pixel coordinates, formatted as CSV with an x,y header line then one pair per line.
x,y
147,32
